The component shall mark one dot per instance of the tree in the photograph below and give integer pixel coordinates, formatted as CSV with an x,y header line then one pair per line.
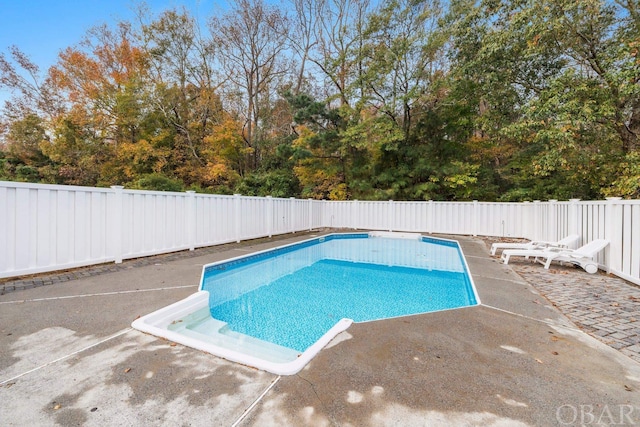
x,y
183,88
338,52
251,40
340,99
320,164
103,79
32,91
587,113
403,56
302,36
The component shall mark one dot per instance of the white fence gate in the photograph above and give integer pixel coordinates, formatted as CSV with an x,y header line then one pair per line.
x,y
53,227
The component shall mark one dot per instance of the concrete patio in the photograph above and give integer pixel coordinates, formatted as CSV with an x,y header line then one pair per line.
x,y
68,356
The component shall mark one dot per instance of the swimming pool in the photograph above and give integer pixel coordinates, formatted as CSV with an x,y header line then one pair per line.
x,y
276,309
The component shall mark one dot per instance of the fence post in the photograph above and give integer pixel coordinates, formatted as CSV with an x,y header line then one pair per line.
x,y
193,220
269,216
328,212
310,203
475,218
613,233
292,204
354,212
538,221
236,212
525,219
573,226
392,216
117,221
553,221
430,220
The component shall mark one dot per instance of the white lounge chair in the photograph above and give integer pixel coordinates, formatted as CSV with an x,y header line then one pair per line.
x,y
537,244
583,256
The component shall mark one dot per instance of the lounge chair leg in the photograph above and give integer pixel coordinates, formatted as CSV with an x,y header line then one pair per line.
x,y
590,267
548,263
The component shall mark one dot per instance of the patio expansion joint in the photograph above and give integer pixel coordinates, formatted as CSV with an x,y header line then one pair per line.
x,y
502,279
100,294
484,258
59,359
570,326
255,402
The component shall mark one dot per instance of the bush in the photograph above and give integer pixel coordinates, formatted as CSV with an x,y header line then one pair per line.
x,y
158,182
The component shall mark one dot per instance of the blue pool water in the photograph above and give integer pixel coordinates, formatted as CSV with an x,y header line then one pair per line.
x,y
295,295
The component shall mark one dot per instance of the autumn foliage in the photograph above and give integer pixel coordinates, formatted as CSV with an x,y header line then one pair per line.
x,y
340,99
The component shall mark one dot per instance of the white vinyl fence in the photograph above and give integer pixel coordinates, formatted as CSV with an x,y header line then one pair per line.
x,y
54,227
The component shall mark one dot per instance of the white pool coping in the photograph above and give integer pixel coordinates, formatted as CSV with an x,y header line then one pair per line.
x,y
241,348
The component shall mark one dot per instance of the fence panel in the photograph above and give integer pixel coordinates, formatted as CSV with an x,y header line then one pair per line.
x,y
316,214
50,227
46,227
622,229
153,223
280,215
591,221
633,248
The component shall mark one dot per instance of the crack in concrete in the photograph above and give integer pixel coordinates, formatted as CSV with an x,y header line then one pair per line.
x,y
322,404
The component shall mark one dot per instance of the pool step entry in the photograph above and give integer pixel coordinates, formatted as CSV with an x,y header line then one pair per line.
x,y
201,326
